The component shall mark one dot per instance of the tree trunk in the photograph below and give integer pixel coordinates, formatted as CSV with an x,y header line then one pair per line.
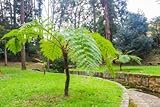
x,y
75,19
14,13
65,58
94,16
23,53
10,6
23,58
5,56
107,22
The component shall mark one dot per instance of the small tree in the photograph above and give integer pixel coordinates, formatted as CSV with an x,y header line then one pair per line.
x,y
77,45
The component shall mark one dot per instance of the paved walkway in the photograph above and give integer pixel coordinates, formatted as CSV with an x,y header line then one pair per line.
x,y
143,100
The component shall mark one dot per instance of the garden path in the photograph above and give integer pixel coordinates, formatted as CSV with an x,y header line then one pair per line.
x,y
142,99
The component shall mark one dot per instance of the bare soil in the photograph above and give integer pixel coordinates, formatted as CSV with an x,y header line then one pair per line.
x,y
30,65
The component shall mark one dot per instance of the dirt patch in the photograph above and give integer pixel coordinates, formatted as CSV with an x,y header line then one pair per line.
x,y
1,74
42,100
153,58
30,65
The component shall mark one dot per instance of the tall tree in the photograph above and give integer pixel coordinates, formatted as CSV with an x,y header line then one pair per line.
x,y
5,22
13,14
94,5
116,11
105,5
23,53
131,35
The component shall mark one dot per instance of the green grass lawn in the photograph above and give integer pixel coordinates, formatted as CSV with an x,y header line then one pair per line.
x,y
33,89
148,70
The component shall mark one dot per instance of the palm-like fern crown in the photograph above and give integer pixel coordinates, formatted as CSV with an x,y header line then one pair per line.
x,y
78,43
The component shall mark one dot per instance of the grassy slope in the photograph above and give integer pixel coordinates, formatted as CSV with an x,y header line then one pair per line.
x,y
33,89
149,70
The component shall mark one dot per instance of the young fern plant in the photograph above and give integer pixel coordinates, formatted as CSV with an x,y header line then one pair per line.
x,y
74,44
125,57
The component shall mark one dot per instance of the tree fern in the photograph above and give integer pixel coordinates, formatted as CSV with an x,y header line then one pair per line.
x,y
80,45
124,58
76,44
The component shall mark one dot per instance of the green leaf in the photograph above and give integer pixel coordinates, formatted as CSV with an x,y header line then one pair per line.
x,y
106,48
20,36
83,48
50,49
124,59
14,45
11,34
136,59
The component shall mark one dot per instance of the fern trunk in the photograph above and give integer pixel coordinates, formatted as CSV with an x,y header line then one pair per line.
x,y
65,57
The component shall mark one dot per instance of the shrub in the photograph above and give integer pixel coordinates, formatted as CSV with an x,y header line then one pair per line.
x,y
58,65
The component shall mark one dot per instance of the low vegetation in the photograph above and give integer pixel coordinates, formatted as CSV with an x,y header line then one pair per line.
x,y
30,88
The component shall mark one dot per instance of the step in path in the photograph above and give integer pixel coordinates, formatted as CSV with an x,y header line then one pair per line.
x,y
142,99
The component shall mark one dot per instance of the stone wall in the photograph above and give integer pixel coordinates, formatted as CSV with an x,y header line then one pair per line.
x,y
140,81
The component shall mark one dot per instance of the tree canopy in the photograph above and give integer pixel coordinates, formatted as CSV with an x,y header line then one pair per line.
x,y
132,35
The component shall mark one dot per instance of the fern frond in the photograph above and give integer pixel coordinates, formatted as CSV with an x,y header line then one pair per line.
x,y
136,59
20,36
50,50
83,48
14,45
10,34
106,48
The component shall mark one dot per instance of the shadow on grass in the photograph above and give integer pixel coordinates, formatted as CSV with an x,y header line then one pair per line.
x,y
133,69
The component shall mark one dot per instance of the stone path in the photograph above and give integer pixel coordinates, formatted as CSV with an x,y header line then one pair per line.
x,y
142,99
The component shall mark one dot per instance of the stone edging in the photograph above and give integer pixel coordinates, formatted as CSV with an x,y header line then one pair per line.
x,y
148,83
125,96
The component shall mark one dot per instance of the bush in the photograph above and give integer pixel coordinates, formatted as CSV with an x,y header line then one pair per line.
x,y
58,65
